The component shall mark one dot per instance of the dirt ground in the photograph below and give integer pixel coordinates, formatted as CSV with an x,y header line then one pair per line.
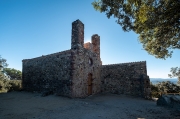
x,y
25,105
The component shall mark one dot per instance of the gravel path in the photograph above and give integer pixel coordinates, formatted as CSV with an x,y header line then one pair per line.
x,y
25,105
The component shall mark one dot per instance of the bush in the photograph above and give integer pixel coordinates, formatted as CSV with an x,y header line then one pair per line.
x,y
13,73
10,85
16,85
155,94
164,88
4,85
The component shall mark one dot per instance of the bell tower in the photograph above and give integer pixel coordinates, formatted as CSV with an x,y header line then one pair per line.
x,y
77,38
95,39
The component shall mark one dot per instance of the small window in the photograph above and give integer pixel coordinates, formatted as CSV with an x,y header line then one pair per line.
x,y
90,61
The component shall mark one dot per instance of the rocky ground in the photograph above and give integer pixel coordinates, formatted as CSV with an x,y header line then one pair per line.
x,y
25,105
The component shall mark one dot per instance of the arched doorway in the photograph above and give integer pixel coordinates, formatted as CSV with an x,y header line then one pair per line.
x,y
90,84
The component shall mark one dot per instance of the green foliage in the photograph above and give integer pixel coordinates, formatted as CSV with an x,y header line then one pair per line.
x,y
155,91
10,85
16,85
156,21
2,76
13,73
4,85
164,88
175,73
3,62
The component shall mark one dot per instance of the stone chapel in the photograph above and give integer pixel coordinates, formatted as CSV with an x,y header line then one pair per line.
x,y
78,72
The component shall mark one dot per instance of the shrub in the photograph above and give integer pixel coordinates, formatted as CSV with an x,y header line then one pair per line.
x,y
16,85
164,88
13,73
155,94
10,85
4,85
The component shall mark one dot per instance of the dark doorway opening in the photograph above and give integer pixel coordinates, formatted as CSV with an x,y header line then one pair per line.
x,y
90,84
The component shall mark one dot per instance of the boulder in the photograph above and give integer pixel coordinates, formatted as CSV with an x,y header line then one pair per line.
x,y
175,98
169,101
164,100
175,101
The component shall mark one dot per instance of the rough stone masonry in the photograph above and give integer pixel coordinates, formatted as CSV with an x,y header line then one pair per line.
x,y
79,72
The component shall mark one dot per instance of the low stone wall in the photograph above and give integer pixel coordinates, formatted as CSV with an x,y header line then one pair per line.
x,y
126,78
48,73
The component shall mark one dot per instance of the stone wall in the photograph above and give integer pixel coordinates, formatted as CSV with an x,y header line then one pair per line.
x,y
88,46
95,39
67,73
48,73
77,37
78,72
126,78
85,62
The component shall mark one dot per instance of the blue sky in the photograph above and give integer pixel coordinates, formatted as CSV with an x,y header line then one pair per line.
x,y
31,28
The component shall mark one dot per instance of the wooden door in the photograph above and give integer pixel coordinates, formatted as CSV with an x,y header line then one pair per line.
x,y
90,84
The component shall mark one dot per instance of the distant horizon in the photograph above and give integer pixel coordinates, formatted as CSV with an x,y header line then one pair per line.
x,y
174,80
157,80
163,78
